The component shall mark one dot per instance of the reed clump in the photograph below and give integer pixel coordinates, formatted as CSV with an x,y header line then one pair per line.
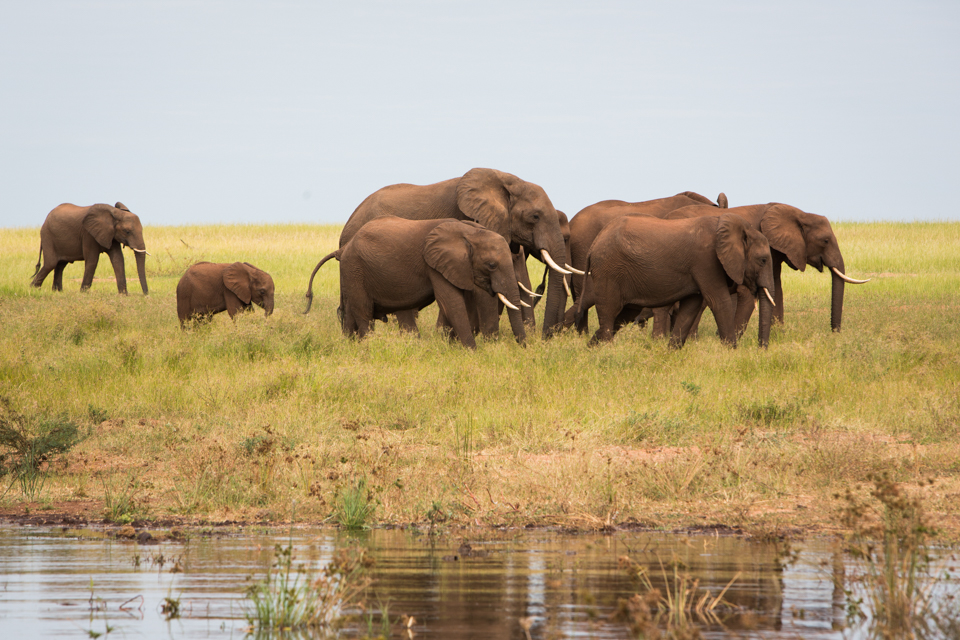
x,y
895,592
298,598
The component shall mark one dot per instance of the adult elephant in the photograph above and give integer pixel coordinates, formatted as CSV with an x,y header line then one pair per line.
x,y
393,265
797,239
589,221
207,288
640,261
517,210
72,233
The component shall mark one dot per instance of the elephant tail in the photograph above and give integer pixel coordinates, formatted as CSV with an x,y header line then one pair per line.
x,y
309,296
39,260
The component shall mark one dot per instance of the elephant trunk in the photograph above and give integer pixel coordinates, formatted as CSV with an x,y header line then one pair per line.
x,y
141,258
516,319
766,319
836,304
556,290
268,306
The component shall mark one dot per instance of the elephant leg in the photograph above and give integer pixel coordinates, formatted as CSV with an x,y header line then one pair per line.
x,y
626,316
695,327
777,292
523,276
119,269
58,276
42,273
662,321
89,268
683,319
645,314
488,313
454,308
607,313
407,321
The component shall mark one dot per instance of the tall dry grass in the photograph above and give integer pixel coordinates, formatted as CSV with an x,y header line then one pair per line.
x,y
234,419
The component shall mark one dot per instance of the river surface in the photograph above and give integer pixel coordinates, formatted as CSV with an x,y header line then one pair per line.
x,y
58,582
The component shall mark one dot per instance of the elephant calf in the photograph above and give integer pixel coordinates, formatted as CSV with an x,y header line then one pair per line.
x,y
393,264
208,288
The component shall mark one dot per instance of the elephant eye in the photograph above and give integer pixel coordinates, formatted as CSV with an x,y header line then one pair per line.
x,y
492,266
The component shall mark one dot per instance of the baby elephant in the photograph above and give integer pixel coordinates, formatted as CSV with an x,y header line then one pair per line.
x,y
208,288
393,264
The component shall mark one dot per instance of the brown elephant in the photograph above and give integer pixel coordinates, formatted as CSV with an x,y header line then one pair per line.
x,y
393,264
796,238
589,221
641,261
72,233
208,288
519,211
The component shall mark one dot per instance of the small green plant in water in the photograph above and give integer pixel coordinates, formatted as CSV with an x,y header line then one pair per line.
x,y
354,506
296,598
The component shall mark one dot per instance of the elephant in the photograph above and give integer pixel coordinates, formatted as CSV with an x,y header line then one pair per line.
x,y
207,288
589,221
641,261
797,239
394,264
519,211
72,233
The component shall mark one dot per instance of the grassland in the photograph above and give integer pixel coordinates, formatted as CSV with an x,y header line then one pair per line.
x,y
236,420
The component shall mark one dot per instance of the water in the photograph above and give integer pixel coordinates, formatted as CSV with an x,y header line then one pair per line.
x,y
73,583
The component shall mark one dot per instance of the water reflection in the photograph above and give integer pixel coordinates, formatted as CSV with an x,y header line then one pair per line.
x,y
561,586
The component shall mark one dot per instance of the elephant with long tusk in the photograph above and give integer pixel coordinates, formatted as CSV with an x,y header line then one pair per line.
x,y
72,233
456,263
797,239
519,211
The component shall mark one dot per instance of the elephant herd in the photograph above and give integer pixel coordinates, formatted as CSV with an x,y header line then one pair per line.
x,y
464,243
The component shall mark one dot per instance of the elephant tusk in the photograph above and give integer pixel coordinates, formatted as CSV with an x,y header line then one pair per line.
x,y
535,295
574,270
567,287
553,265
524,304
847,278
141,251
507,303
769,297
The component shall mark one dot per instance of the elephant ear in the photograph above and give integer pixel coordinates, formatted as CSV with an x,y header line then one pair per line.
x,y
236,278
782,227
722,201
448,251
732,245
99,222
484,195
120,205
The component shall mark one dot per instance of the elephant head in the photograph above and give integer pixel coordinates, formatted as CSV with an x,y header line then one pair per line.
x,y
469,255
744,253
250,284
807,238
108,224
522,213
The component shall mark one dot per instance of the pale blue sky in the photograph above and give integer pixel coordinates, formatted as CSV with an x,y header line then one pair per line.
x,y
203,111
